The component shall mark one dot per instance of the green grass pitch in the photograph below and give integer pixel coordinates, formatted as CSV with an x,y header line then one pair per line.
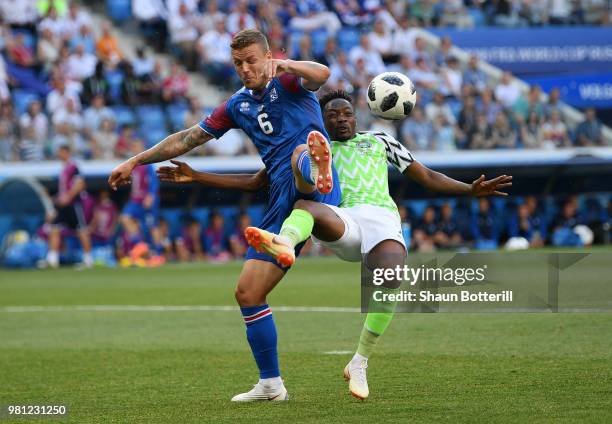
x,y
149,366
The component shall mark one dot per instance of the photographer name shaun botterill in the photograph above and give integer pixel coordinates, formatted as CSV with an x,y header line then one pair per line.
x,y
429,296
412,275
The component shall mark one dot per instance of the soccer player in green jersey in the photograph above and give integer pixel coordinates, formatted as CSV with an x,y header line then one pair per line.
x,y
366,226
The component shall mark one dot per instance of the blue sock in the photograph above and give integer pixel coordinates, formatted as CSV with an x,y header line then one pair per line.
x,y
261,334
303,164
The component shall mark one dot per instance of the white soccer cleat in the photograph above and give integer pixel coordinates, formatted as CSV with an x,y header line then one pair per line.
x,y
355,374
259,392
320,162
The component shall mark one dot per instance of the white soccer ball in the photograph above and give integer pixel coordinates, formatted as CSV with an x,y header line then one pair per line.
x,y
391,95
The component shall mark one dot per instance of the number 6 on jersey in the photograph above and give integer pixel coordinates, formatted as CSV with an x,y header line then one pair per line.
x,y
266,126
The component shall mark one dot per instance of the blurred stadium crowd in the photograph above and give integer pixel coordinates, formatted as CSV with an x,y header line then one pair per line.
x,y
64,80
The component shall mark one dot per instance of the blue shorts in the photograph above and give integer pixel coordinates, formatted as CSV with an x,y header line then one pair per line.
x,y
283,195
148,218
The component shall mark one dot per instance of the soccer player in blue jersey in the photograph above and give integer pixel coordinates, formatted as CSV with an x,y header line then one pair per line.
x,y
280,113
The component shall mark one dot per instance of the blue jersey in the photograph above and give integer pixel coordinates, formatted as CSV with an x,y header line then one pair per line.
x,y
277,120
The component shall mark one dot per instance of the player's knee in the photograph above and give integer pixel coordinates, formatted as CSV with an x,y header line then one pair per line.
x,y
247,297
306,205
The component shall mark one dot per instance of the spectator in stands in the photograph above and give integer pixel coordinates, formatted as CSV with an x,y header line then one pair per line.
x,y
176,84
183,28
330,53
474,76
424,78
240,18
58,98
96,113
107,46
126,137
19,53
447,233
528,224
237,241
425,12
8,117
66,135
529,131
404,37
382,41
47,49
488,105
216,243
372,59
417,131
439,107
553,132
85,37
451,78
502,135
151,85
425,230
211,16
444,134
341,70
467,118
507,91
304,50
80,64
167,244
104,140
143,64
564,225
404,66
420,51
484,229
4,80
69,115
312,15
455,14
194,114
35,118
554,101
131,86
103,225
151,15
189,243
96,85
30,148
478,138
8,144
76,18
58,26
532,103
216,55
559,12
20,14
443,53
589,131
350,13
502,13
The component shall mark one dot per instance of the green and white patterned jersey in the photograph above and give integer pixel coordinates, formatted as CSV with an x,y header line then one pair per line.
x,y
362,165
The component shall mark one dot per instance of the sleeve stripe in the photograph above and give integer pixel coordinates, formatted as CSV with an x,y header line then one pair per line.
x,y
398,155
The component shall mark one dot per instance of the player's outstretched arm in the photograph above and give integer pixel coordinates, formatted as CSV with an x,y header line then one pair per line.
x,y
313,74
184,174
172,146
438,182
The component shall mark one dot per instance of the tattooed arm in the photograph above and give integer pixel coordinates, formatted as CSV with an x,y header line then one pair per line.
x,y
172,146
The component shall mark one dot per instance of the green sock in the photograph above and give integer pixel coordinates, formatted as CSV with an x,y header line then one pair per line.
x,y
376,324
298,226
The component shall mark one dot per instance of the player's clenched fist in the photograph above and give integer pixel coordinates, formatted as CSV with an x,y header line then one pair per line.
x,y
275,67
121,175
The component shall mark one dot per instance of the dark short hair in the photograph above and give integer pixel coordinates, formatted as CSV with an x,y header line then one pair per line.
x,y
333,95
247,37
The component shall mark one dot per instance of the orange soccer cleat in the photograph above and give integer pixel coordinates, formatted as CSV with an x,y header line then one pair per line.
x,y
264,242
